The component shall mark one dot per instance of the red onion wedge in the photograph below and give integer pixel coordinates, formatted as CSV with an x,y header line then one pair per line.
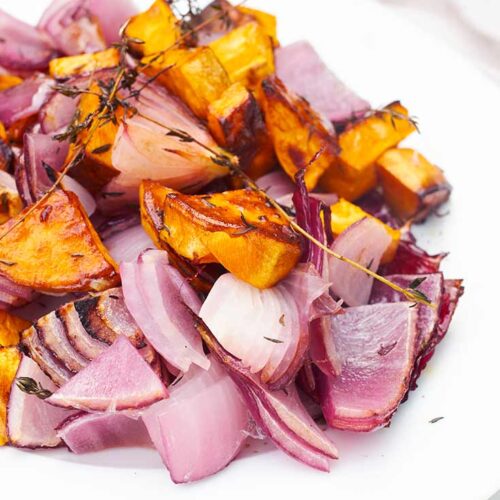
x,y
86,199
23,48
85,25
13,294
377,344
202,426
411,259
267,329
119,379
72,27
431,285
25,99
31,422
90,432
301,68
283,419
364,242
144,150
41,152
308,210
127,245
160,300
452,291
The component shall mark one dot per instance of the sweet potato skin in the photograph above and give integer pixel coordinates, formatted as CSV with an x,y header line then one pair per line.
x,y
64,67
354,172
235,228
55,249
246,53
298,133
157,28
345,213
236,122
412,185
10,358
195,75
10,329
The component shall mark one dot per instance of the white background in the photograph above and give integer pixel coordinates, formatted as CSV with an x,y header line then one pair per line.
x,y
383,57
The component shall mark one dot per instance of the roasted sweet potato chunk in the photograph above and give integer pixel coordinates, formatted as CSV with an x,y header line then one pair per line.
x,y
354,173
10,358
96,170
10,328
236,229
155,30
64,67
345,213
412,185
55,249
196,76
8,81
246,53
220,16
301,139
266,21
236,122
3,132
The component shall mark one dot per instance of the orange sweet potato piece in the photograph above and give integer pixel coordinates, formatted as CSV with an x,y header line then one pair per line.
x,y
157,28
412,185
237,124
297,131
3,132
196,76
64,67
246,53
10,203
354,173
10,329
266,21
236,229
345,213
55,249
10,358
8,81
96,169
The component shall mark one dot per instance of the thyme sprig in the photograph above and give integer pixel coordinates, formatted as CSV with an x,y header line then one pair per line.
x,y
32,387
393,116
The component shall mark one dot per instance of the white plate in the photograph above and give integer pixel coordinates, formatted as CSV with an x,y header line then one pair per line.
x,y
383,58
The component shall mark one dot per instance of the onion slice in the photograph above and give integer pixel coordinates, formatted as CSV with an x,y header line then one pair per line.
x,y
378,345
24,100
267,329
202,426
23,48
31,422
160,300
90,432
364,242
118,379
128,244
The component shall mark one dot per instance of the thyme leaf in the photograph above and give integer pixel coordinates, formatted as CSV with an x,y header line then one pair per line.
x,y
32,387
274,341
101,149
